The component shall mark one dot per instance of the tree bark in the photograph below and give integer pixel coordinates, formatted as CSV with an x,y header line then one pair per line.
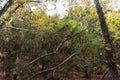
x,y
108,42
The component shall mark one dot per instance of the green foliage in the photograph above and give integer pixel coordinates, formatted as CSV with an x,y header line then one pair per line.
x,y
35,34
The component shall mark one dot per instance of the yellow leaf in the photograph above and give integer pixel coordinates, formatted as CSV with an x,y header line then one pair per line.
x,y
117,65
107,48
1,55
27,1
40,66
101,54
34,32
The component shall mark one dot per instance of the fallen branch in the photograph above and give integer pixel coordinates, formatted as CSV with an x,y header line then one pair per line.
x,y
33,61
53,68
48,54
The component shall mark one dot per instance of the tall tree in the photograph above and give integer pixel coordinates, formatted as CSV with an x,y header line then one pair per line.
x,y
108,42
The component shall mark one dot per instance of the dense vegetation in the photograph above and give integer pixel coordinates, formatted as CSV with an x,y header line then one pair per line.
x,y
34,44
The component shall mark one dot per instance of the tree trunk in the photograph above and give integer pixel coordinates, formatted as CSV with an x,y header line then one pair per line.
x,y
108,42
7,5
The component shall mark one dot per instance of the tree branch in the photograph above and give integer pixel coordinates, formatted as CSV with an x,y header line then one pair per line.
x,y
48,54
53,68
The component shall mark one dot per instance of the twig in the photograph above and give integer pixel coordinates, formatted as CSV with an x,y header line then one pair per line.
x,y
25,29
61,43
35,1
107,11
53,68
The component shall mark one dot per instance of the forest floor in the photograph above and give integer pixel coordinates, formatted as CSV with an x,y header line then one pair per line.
x,y
71,76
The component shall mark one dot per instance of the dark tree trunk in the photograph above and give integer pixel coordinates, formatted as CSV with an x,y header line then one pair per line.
x,y
7,5
87,74
4,9
108,42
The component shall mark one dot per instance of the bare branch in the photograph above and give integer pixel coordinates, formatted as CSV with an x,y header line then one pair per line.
x,y
33,61
48,54
107,11
25,29
53,68
37,1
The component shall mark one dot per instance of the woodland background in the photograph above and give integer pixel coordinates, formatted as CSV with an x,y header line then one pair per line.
x,y
37,46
